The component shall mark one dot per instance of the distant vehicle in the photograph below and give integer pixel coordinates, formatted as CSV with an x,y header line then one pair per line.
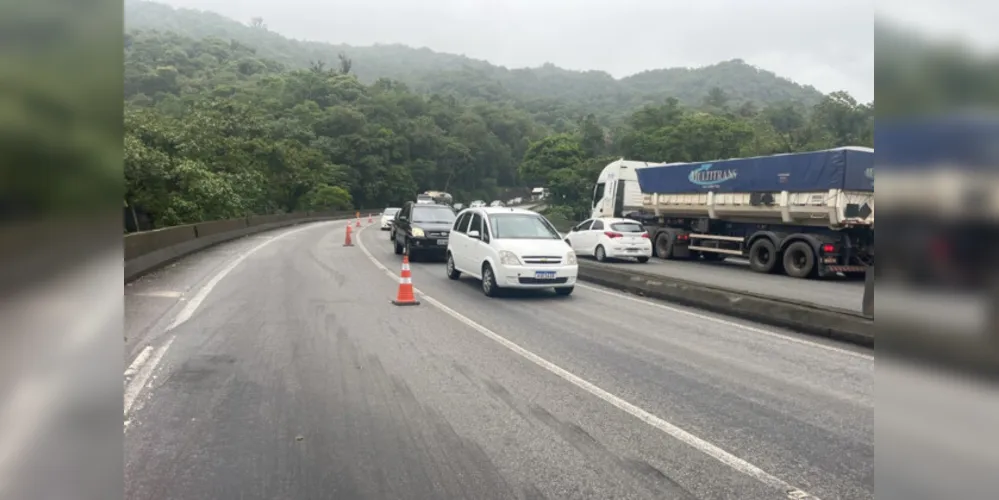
x,y
607,238
497,203
388,215
424,199
510,248
804,214
477,204
422,229
515,201
458,207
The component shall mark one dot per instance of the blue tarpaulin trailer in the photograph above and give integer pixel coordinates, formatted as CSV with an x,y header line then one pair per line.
x,y
848,169
806,214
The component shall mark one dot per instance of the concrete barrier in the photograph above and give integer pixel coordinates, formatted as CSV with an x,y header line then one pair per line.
x,y
841,325
147,242
149,250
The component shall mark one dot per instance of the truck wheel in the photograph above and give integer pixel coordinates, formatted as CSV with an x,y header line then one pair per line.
x,y
799,260
664,246
763,256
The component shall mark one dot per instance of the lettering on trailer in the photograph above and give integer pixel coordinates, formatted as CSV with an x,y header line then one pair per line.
x,y
704,176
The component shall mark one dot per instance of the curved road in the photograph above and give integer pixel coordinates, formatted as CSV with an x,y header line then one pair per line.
x,y
276,367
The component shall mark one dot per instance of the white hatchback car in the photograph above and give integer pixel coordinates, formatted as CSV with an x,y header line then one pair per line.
x,y
609,238
510,248
388,216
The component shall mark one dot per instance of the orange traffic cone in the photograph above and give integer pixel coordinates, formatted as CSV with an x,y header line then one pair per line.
x,y
347,241
358,222
405,296
370,218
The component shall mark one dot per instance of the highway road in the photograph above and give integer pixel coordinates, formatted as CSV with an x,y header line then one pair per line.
x,y
734,274
275,366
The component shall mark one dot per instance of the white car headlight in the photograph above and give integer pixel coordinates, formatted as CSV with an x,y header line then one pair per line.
x,y
417,232
570,258
508,258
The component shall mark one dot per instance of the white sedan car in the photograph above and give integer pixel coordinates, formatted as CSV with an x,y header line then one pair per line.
x,y
608,238
388,215
510,248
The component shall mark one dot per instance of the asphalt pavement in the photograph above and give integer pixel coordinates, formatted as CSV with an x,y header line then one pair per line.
x,y
275,366
734,274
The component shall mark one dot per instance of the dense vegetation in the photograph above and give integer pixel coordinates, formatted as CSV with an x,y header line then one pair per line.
x,y
548,92
215,129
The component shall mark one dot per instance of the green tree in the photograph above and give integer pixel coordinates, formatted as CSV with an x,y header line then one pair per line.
x,y
326,197
552,153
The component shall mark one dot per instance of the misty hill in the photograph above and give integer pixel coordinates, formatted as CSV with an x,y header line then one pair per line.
x,y
427,71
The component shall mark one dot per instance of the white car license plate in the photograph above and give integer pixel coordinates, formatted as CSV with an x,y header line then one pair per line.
x,y
544,275
442,243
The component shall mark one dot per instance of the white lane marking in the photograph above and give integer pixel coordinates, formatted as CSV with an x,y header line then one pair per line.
x,y
202,294
165,294
703,446
139,361
135,386
733,324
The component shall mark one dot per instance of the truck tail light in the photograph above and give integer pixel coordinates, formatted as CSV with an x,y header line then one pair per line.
x,y
612,235
683,237
827,248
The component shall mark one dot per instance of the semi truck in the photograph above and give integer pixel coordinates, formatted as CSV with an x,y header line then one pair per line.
x,y
809,215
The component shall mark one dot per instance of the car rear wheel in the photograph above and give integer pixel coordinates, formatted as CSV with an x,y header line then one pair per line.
x,y
396,245
601,254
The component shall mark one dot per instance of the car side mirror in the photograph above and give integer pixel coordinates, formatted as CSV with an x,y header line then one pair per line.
x,y
474,234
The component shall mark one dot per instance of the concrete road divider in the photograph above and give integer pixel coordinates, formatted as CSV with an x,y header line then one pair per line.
x,y
838,324
148,250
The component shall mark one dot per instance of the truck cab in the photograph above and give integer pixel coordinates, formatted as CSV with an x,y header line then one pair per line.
x,y
617,191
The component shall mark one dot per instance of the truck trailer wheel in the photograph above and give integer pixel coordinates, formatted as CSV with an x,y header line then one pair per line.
x,y
664,245
799,260
763,256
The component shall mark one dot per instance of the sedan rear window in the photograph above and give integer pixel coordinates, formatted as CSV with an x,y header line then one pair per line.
x,y
627,227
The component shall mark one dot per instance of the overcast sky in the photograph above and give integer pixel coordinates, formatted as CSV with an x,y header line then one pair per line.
x,y
824,43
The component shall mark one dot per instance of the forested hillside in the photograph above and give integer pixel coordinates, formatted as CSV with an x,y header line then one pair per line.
x,y
426,71
215,129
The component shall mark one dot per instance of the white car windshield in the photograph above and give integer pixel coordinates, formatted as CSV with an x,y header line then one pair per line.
x,y
433,215
522,226
391,211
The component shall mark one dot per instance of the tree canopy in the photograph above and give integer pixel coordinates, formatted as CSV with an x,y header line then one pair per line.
x,y
548,92
214,129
